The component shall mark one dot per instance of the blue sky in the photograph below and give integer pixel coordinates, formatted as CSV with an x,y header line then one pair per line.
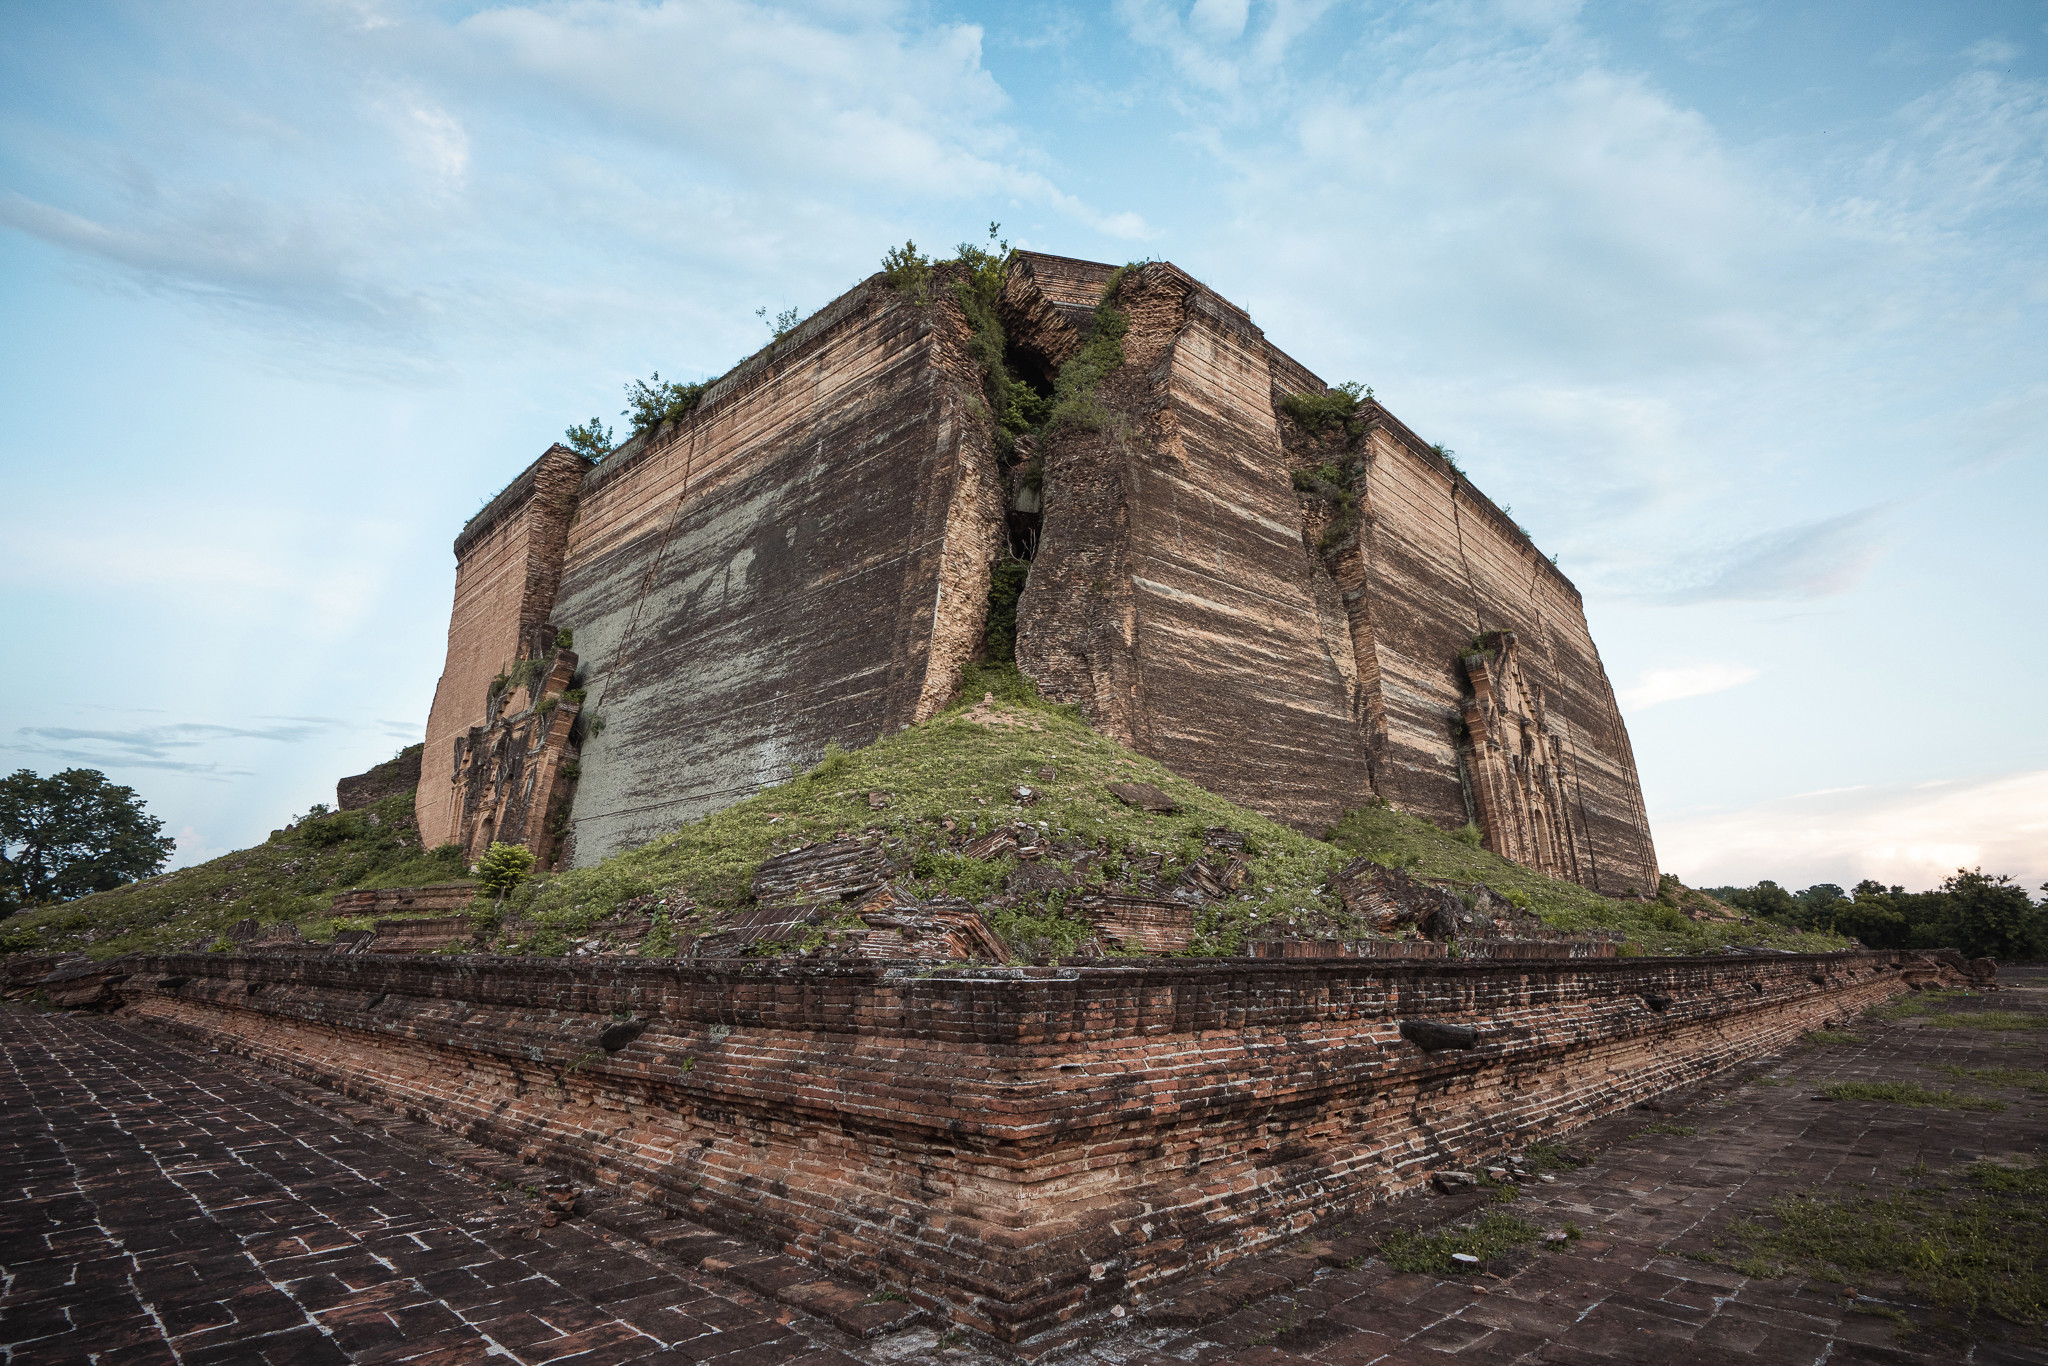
x,y
1743,308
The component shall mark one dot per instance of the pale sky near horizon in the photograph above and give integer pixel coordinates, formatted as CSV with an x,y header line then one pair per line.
x,y
1741,307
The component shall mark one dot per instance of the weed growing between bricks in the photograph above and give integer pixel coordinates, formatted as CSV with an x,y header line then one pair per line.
x,y
1493,1235
1909,1093
2018,1078
1835,1037
1979,1247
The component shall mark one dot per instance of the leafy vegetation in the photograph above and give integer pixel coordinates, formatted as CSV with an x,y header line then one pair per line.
x,y
503,867
1978,1247
1331,410
592,439
72,833
1074,401
782,324
1981,914
653,401
1005,586
294,876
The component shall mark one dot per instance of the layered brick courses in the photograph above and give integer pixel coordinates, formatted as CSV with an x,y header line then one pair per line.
x,y
1015,1146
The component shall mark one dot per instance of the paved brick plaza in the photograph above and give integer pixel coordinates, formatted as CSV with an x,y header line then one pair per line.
x,y
160,1206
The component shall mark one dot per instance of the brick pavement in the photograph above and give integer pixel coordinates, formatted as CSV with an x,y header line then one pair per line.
x,y
158,1206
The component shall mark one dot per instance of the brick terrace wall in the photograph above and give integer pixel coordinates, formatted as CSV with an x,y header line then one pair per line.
x,y
803,559
1016,1145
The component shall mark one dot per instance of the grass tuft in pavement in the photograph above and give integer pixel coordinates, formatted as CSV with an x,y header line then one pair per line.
x,y
1430,1253
1908,1093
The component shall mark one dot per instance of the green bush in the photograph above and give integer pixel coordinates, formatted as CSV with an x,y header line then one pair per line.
x,y
653,401
1005,586
593,439
503,867
1330,410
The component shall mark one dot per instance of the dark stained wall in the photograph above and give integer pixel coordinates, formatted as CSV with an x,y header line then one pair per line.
x,y
804,560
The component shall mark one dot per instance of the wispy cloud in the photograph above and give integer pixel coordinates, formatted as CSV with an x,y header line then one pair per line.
x,y
1658,686
162,747
1821,559
1910,834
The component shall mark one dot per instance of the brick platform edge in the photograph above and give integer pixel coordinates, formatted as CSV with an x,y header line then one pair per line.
x,y
1012,1147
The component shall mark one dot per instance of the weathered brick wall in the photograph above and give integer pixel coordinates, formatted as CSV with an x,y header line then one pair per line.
x,y
1439,564
1017,1145
804,559
1171,596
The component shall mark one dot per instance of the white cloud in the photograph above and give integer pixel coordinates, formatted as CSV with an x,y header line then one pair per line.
x,y
1908,834
1658,686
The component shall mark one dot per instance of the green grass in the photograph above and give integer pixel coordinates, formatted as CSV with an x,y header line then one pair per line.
x,y
1978,1247
1917,1004
1404,841
2018,1078
946,769
1682,1130
1430,1253
1988,1019
1908,1093
292,877
952,768
1551,1157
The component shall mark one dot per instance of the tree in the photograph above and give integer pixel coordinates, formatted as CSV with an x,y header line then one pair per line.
x,y
503,867
1983,916
73,833
593,439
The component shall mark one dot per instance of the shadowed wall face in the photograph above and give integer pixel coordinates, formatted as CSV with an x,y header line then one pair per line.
x,y
1171,596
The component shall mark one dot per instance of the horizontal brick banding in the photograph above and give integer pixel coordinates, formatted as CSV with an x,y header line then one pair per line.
x,y
1014,1145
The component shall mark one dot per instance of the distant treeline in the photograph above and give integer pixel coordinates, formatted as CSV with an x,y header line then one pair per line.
x,y
1984,916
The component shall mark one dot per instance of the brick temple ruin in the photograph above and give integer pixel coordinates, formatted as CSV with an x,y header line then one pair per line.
x,y
805,558
1302,620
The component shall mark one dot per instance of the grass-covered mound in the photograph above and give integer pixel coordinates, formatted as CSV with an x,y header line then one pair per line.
x,y
963,767
292,877
942,783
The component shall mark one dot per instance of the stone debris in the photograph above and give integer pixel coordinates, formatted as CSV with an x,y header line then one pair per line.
x,y
1145,797
834,870
1136,922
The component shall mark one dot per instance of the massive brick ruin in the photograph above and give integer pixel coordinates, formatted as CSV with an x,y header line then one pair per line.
x,y
806,558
